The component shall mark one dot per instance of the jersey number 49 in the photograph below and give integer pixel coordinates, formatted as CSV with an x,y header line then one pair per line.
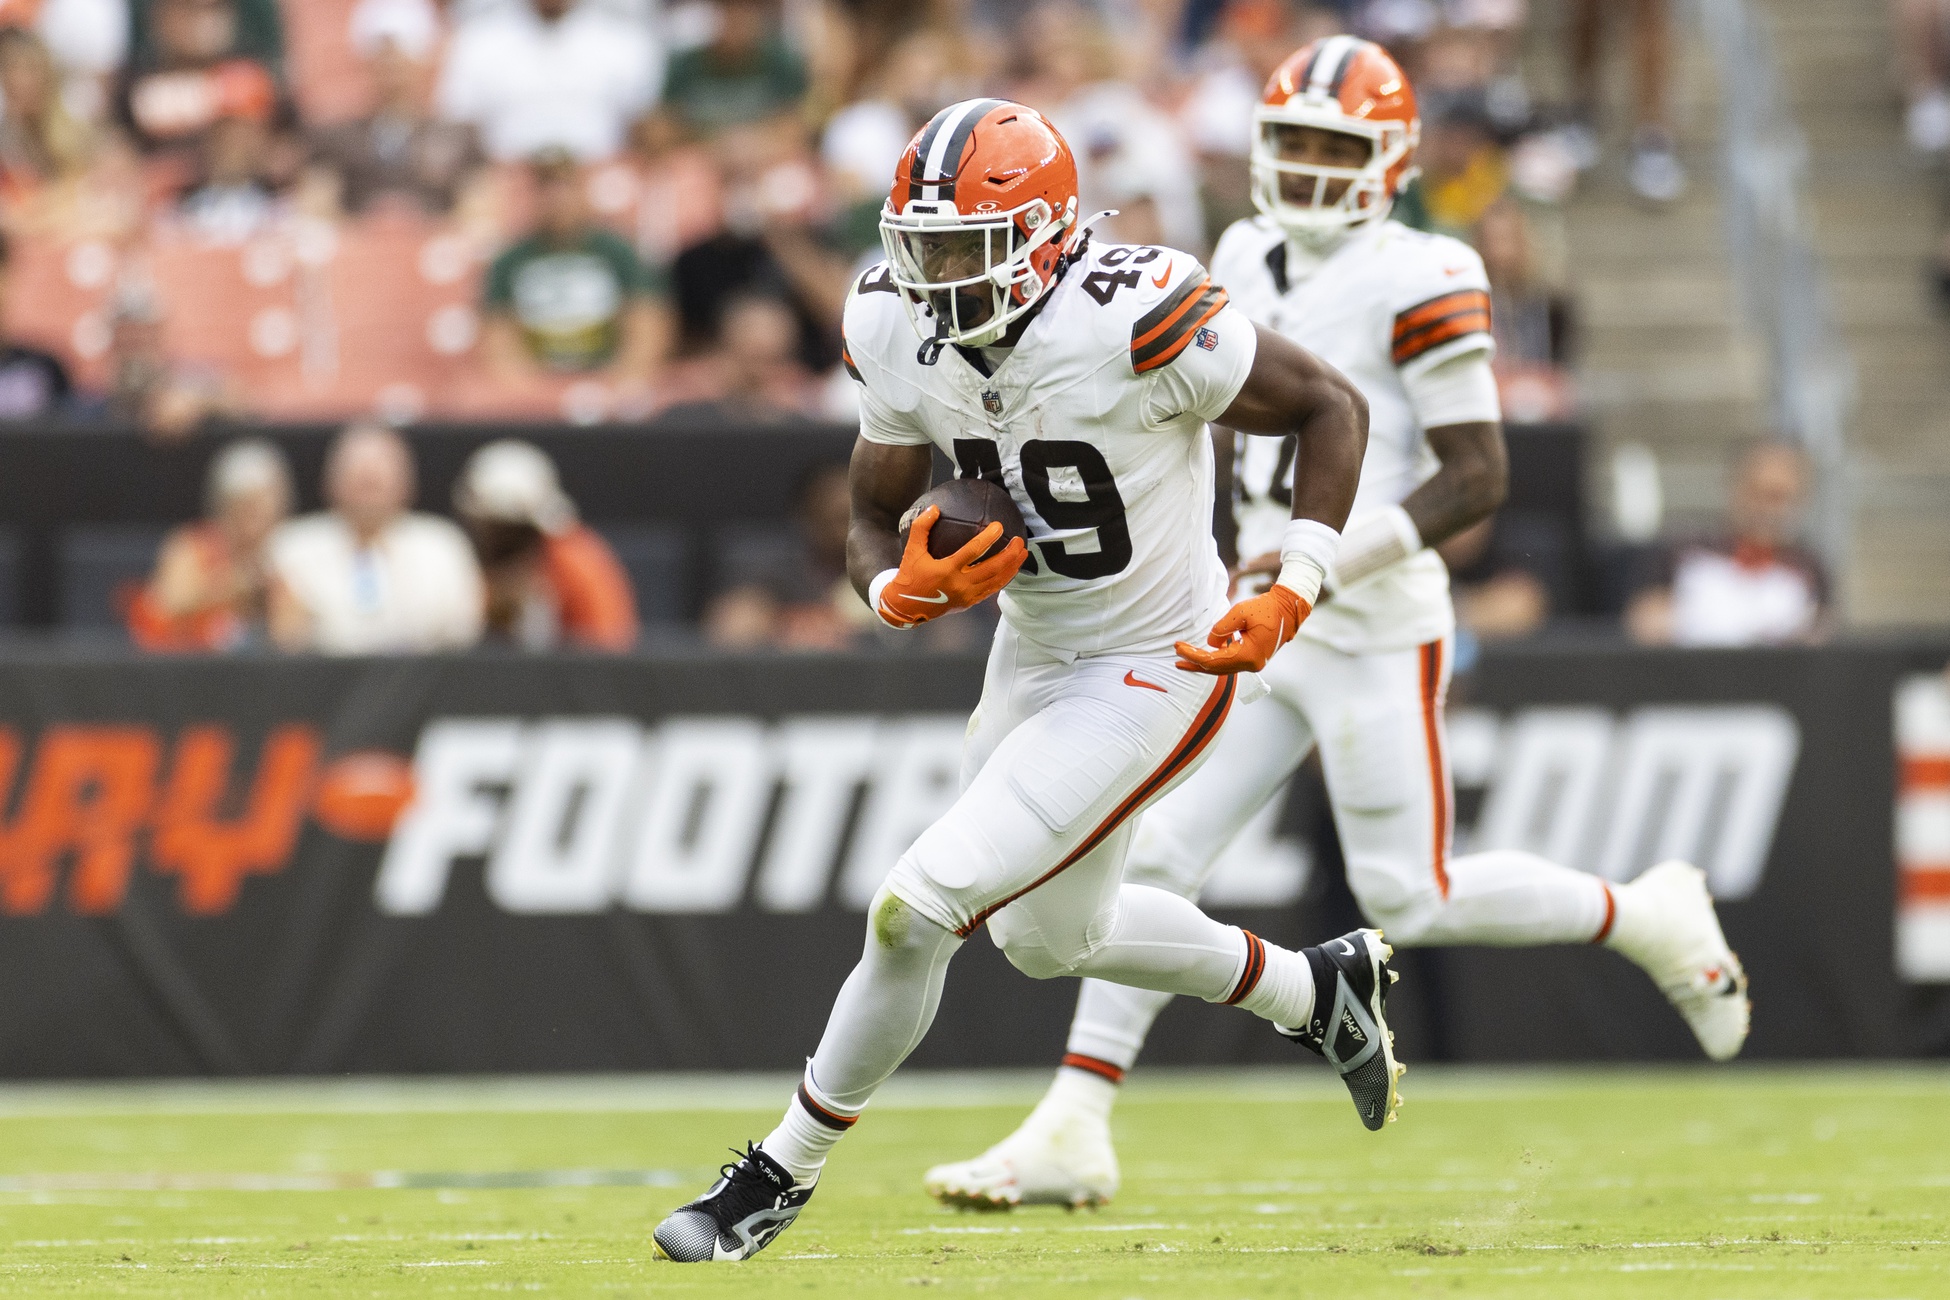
x,y
1102,507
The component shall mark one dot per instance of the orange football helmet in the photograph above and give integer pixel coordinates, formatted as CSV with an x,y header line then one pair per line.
x,y
982,209
1346,85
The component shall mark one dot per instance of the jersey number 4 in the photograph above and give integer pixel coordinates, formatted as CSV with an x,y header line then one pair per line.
x,y
1101,509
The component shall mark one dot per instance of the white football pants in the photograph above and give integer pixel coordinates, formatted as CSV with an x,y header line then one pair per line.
x,y
1062,755
1378,721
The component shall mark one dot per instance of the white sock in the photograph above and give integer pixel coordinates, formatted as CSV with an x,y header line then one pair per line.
x,y
1110,1026
811,1126
1076,1092
1274,983
1634,926
1508,898
882,1011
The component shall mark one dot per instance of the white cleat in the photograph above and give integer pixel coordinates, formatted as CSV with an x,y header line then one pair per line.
x,y
1055,1158
1666,924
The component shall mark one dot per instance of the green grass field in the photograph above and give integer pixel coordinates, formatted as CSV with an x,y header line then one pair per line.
x,y
1688,1183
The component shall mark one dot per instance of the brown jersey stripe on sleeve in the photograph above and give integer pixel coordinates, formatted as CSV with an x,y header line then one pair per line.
x,y
1154,322
1422,313
1154,345
1437,321
1438,332
846,359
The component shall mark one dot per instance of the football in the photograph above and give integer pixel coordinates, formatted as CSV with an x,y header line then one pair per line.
x,y
968,505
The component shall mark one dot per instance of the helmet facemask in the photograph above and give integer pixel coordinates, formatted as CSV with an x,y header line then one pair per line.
x,y
971,276
1306,178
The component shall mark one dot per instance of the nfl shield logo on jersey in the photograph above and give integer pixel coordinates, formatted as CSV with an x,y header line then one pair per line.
x,y
992,401
1206,338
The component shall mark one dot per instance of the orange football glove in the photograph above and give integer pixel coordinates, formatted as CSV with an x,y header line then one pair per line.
x,y
1248,635
926,588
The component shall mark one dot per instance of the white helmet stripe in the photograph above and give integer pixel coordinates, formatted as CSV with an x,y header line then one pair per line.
x,y
1328,66
949,133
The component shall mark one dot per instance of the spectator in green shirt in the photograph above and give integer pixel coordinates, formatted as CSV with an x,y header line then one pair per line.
x,y
747,73
572,298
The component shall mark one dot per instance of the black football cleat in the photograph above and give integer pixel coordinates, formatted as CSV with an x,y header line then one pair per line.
x,y
1350,1023
753,1201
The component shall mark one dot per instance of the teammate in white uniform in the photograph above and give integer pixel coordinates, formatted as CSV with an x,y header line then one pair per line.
x,y
1406,316
1079,377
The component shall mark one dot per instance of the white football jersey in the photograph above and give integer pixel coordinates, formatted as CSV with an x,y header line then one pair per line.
x,y
1388,302
1095,423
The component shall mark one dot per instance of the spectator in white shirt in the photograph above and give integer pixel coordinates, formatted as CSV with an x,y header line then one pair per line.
x,y
367,576
550,73
1751,584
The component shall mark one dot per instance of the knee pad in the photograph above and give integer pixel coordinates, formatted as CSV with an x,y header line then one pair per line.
x,y
1405,913
1030,950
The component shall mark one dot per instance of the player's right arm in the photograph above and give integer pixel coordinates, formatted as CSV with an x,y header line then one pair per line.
x,y
893,464
902,582
1291,391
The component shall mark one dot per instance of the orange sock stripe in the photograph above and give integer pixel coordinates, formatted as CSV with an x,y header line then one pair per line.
x,y
824,1116
1094,1065
1611,914
1203,729
1438,767
1255,967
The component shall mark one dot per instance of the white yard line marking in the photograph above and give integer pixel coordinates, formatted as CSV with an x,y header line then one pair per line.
x,y
370,1180
958,1089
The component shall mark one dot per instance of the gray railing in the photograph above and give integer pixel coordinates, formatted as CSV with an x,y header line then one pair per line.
x,y
1777,272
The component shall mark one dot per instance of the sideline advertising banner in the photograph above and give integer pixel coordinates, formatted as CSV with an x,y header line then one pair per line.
x,y
522,864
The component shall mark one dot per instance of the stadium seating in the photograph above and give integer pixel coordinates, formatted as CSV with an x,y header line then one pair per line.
x,y
328,81
249,312
10,568
59,297
400,295
657,558
100,565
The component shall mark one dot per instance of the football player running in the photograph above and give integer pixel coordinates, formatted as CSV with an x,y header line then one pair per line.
x,y
1405,315
1080,377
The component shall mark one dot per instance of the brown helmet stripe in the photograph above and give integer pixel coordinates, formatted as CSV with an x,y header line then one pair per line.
x,y
937,158
1329,65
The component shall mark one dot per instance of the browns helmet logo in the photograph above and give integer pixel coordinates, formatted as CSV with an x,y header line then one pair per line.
x,y
982,208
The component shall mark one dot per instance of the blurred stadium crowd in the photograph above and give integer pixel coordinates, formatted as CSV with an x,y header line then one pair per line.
x,y
600,209
222,211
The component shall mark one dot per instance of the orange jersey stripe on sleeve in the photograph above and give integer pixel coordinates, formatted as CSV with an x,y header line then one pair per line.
x,y
1437,321
1165,331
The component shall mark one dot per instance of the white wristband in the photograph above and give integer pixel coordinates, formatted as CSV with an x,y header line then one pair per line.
x,y
1377,543
1306,549
874,588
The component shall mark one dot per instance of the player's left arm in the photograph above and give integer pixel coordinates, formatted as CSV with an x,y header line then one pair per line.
x,y
1290,391
1456,402
1470,486
1442,348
